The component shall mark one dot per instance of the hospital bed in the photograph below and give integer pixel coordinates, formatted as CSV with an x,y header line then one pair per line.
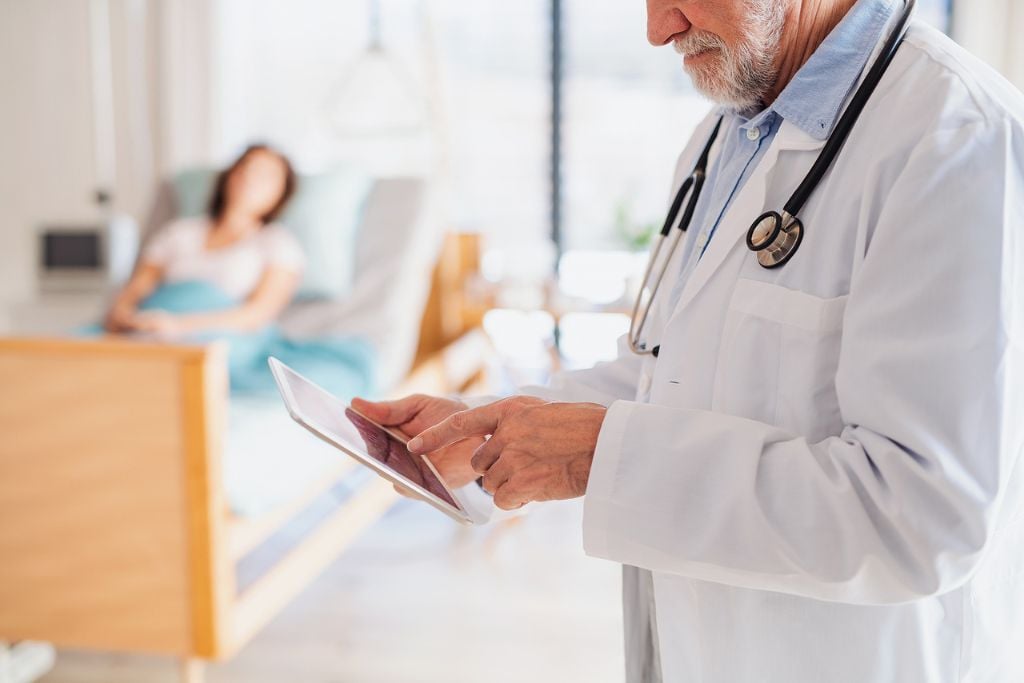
x,y
142,511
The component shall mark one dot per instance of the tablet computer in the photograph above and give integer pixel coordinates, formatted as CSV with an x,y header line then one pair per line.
x,y
381,449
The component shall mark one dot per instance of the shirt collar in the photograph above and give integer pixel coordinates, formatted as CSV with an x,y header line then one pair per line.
x,y
813,99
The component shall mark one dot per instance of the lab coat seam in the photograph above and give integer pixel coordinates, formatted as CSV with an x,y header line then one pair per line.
x,y
972,90
778,375
749,297
966,630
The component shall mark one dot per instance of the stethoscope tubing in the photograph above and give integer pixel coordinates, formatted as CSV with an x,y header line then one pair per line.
x,y
788,219
691,188
635,328
849,119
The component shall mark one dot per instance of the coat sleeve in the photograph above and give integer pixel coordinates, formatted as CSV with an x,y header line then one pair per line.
x,y
901,504
604,383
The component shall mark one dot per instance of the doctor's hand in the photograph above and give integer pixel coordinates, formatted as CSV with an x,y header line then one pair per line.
x,y
413,414
537,450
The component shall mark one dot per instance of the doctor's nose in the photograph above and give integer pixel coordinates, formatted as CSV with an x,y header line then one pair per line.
x,y
664,20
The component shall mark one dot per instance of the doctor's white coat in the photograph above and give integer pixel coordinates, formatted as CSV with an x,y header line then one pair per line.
x,y
819,478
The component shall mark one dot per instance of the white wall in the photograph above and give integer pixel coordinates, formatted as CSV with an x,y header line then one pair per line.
x,y
162,117
476,68
280,67
46,156
186,80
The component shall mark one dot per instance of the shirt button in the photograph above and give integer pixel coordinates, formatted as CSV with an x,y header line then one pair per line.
x,y
753,134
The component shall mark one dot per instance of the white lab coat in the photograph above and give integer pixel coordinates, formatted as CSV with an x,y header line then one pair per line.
x,y
818,476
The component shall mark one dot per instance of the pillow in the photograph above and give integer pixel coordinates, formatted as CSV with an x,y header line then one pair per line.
x,y
324,215
192,189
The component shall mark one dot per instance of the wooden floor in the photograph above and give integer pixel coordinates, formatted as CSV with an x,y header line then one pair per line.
x,y
420,599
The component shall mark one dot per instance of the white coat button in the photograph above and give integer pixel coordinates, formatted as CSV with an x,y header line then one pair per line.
x,y
754,134
702,239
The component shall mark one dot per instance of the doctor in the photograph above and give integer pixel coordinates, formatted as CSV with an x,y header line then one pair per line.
x,y
817,477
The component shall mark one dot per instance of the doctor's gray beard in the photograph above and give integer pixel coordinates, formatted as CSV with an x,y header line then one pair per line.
x,y
738,76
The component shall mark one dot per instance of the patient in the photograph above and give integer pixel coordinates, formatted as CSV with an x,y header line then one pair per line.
x,y
232,271
228,276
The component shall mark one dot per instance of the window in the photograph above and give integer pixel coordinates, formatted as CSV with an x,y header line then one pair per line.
x,y
938,13
480,68
629,109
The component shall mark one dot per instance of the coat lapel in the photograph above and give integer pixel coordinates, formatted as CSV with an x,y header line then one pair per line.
x,y
748,205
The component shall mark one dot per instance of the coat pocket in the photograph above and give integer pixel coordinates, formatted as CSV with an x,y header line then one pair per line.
x,y
778,358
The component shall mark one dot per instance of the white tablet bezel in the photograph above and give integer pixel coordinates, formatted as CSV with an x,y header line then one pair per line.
x,y
465,514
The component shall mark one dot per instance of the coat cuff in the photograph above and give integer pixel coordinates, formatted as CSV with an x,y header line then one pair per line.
x,y
597,504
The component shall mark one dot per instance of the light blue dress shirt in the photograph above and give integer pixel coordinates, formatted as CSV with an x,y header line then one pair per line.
x,y
812,102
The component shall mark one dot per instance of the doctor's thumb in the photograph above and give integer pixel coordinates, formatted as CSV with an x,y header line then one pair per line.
x,y
370,409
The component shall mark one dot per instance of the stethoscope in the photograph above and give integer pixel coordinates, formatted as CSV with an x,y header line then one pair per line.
x,y
775,236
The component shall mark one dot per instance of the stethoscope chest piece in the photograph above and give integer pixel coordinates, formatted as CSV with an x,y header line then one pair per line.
x,y
775,238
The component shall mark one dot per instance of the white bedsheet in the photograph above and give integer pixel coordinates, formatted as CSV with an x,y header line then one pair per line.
x,y
269,459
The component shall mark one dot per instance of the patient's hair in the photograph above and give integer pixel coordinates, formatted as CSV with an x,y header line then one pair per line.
x,y
218,201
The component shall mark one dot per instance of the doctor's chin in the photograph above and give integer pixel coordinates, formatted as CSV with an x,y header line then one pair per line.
x,y
423,341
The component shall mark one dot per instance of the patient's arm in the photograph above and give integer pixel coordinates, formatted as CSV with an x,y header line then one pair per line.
x,y
122,312
271,295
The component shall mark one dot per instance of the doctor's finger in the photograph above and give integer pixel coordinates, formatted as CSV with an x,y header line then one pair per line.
x,y
390,412
509,496
486,455
476,422
496,477
405,492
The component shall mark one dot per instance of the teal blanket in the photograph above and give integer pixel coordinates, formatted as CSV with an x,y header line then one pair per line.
x,y
343,365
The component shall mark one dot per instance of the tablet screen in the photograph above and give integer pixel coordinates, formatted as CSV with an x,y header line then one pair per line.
x,y
395,455
345,426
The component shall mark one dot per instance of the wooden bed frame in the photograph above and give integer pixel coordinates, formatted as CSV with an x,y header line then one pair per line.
x,y
114,531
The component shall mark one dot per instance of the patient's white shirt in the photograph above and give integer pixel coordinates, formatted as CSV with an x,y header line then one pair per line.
x,y
179,248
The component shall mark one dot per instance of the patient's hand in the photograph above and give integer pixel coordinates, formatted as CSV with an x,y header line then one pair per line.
x,y
160,323
119,318
412,415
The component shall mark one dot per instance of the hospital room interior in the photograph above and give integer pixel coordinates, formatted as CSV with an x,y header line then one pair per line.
x,y
460,198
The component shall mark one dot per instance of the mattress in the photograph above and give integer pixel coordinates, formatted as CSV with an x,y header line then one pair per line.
x,y
269,459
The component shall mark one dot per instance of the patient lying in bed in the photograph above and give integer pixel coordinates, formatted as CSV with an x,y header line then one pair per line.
x,y
229,275
251,265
